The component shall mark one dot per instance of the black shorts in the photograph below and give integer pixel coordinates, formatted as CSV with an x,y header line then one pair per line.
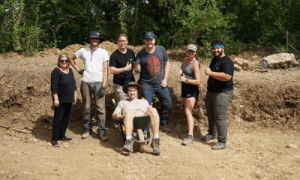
x,y
188,91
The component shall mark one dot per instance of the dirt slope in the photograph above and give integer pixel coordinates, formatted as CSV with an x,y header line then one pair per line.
x,y
263,120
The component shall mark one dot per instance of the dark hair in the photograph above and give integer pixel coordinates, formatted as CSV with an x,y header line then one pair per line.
x,y
217,41
62,55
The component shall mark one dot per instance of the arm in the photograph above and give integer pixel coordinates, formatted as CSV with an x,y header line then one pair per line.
x,y
74,97
56,101
116,116
221,76
72,61
105,73
114,70
164,82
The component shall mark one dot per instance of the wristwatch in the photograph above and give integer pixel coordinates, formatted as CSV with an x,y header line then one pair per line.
x,y
186,79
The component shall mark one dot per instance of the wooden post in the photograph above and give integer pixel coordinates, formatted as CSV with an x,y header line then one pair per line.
x,y
287,39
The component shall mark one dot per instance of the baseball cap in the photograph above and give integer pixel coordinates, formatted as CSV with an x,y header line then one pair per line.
x,y
191,47
149,35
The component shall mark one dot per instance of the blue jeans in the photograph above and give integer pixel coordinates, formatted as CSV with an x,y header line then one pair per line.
x,y
163,94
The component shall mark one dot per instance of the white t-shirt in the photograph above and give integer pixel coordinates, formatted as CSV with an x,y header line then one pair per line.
x,y
137,105
93,63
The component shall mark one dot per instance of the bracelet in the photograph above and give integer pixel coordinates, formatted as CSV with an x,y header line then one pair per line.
x,y
186,79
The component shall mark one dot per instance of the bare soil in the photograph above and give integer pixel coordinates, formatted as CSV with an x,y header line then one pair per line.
x,y
263,120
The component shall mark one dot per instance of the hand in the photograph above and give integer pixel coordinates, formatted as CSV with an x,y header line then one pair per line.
x,y
138,68
183,78
164,83
128,66
56,102
101,92
74,101
207,71
81,71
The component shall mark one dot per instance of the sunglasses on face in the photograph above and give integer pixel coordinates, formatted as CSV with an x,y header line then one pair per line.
x,y
64,61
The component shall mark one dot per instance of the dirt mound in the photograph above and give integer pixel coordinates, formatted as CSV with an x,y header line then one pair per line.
x,y
255,53
15,54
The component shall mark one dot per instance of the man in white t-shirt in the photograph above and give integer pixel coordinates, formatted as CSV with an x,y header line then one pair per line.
x,y
134,108
93,82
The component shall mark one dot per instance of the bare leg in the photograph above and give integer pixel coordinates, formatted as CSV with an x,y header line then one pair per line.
x,y
128,122
154,119
189,104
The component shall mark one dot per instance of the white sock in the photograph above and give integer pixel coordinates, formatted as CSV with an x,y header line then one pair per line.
x,y
155,136
191,134
128,137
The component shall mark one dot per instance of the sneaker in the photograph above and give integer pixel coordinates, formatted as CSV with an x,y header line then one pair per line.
x,y
155,145
128,146
55,143
188,140
103,138
219,146
165,129
86,134
65,138
208,137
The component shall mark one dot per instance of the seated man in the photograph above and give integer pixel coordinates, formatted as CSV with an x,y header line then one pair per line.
x,y
136,107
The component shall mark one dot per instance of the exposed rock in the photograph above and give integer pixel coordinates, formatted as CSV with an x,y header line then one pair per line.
x,y
237,67
293,146
279,61
243,64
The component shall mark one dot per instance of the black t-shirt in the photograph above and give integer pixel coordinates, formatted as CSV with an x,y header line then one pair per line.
x,y
152,67
120,60
225,65
63,84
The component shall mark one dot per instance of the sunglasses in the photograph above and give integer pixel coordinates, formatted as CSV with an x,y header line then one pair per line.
x,y
64,61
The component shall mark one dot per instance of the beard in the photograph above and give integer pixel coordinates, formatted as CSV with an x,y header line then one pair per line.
x,y
218,54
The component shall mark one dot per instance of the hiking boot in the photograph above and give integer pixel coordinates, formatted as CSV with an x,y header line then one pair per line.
x,y
219,146
188,140
165,129
128,146
155,145
208,137
55,143
103,138
183,136
65,138
86,134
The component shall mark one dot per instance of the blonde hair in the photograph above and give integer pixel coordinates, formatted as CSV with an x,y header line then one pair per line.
x,y
122,34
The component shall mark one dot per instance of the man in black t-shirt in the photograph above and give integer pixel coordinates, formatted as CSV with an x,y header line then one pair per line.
x,y
219,92
120,64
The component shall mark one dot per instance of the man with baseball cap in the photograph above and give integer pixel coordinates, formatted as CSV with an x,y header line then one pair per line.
x,y
93,82
134,108
219,92
153,65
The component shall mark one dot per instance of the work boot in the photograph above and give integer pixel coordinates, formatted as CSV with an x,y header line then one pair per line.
x,y
208,137
165,129
155,145
188,140
128,146
86,134
219,146
183,136
103,138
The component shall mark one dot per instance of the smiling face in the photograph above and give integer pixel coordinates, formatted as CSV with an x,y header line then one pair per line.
x,y
149,44
132,92
64,62
122,42
218,52
191,54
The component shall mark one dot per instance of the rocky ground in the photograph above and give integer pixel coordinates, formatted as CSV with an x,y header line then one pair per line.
x,y
263,120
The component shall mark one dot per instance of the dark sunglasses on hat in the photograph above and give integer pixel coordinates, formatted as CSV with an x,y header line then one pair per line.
x,y
64,61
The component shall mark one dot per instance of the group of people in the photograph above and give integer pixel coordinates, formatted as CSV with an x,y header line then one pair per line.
x,y
152,63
